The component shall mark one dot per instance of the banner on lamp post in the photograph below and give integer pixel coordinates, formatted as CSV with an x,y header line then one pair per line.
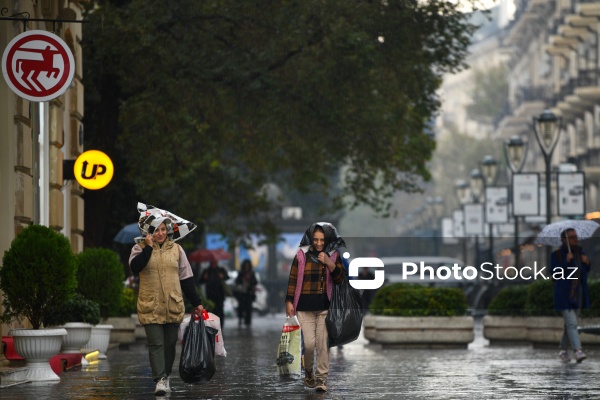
x,y
571,193
526,200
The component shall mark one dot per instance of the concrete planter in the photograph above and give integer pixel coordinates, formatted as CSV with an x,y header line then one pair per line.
x,y
421,332
506,330
123,331
140,332
369,327
99,340
546,332
37,347
78,334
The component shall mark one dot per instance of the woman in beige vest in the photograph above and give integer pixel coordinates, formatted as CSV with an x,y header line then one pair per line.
x,y
164,273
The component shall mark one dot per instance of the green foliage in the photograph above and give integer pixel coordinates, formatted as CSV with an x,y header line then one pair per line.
x,y
37,275
416,301
455,155
489,94
76,309
100,278
128,303
540,299
252,92
594,289
510,300
209,305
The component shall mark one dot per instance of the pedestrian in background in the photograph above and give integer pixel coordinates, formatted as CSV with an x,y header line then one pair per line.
x,y
312,276
571,292
214,277
244,291
165,273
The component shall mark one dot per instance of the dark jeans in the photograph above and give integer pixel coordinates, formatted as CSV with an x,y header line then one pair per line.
x,y
244,310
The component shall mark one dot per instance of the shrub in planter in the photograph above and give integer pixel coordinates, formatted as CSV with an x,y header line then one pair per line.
x,y
76,309
510,301
128,303
100,278
38,275
418,301
540,299
594,310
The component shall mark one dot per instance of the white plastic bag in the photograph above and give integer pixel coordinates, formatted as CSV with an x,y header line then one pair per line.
x,y
214,322
289,350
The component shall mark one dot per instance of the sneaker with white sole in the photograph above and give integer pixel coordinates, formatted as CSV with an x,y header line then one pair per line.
x,y
161,387
564,356
580,356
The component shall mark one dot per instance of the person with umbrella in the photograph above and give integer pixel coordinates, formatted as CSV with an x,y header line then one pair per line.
x,y
570,267
165,275
312,276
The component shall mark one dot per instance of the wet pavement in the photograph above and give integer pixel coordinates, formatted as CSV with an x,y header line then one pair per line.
x,y
358,371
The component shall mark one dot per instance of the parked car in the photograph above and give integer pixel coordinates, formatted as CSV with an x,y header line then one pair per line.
x,y
259,305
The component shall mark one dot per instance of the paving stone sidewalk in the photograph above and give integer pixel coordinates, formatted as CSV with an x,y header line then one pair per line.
x,y
357,371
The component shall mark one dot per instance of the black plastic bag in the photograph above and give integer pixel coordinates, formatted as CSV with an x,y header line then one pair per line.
x,y
197,362
345,315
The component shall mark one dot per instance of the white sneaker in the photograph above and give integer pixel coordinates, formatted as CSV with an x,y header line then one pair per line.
x,y
161,387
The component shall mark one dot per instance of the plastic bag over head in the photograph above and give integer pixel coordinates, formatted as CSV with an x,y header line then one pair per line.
x,y
333,240
151,217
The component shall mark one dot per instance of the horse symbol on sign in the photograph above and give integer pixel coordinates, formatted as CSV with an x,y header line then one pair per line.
x,y
32,69
38,65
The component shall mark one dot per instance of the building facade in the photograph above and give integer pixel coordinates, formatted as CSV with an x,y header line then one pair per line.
x,y
35,137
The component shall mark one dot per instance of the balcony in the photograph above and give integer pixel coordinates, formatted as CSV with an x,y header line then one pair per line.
x,y
588,8
587,85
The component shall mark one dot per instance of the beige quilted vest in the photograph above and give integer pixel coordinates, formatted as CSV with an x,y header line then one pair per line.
x,y
160,300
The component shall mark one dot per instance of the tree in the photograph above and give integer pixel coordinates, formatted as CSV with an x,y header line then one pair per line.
x,y
203,103
489,93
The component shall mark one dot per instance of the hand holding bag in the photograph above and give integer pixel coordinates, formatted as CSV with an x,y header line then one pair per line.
x,y
197,361
289,351
345,315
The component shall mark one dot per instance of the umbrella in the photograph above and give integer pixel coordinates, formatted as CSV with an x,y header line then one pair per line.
x,y
550,235
332,239
205,255
127,234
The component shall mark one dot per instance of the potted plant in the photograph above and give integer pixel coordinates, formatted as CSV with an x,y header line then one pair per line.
x,y
418,316
37,277
100,278
505,322
77,316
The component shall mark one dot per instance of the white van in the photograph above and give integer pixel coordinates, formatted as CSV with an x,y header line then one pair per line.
x,y
425,270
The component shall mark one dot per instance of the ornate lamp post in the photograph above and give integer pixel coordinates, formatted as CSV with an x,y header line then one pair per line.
x,y
477,186
463,193
547,128
515,151
489,169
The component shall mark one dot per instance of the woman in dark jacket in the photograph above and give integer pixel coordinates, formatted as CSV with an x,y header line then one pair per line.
x,y
245,292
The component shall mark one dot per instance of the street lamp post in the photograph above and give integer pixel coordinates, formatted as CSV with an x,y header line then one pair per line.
x,y
463,193
477,186
515,151
547,128
489,169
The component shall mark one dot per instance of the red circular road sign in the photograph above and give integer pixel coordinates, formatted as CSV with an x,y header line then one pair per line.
x,y
38,65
